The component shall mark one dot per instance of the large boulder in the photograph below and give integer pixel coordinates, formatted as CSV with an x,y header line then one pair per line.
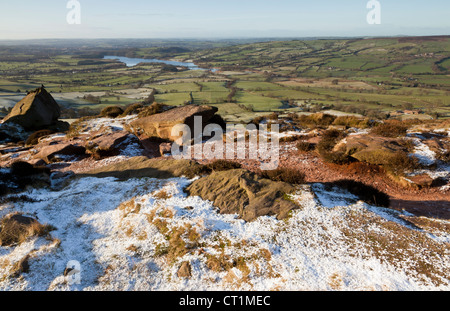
x,y
36,111
161,124
244,193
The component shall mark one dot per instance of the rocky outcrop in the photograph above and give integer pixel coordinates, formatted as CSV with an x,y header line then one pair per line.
x,y
371,149
165,149
38,110
49,153
139,167
244,193
160,125
12,133
109,145
21,175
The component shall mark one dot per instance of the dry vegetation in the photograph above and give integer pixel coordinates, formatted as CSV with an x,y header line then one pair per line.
x,y
16,229
397,245
291,176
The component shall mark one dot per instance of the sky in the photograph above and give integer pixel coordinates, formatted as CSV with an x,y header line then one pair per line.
x,y
38,19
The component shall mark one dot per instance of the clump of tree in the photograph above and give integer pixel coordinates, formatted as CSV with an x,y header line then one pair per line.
x,y
400,162
352,121
92,99
33,139
305,146
230,97
223,165
169,68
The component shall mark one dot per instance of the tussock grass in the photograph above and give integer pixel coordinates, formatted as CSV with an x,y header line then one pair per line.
x,y
16,229
111,112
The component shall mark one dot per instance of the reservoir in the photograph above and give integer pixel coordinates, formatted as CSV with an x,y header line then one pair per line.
x,y
131,62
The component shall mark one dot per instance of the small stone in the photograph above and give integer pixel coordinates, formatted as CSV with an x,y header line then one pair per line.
x,y
185,270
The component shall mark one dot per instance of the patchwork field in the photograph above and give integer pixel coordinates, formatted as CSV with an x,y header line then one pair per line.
x,y
367,76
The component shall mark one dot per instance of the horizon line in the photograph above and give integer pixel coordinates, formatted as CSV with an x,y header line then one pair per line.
x,y
232,38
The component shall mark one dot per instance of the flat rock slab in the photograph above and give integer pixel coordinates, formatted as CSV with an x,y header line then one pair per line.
x,y
48,153
139,167
244,193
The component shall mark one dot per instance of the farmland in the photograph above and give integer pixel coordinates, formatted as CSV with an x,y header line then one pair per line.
x,y
373,77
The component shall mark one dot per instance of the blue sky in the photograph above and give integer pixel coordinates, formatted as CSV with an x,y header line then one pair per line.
x,y
31,19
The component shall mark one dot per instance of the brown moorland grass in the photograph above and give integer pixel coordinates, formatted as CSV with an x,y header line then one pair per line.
x,y
291,176
391,129
16,229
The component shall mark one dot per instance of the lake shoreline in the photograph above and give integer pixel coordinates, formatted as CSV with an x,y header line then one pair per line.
x,y
131,62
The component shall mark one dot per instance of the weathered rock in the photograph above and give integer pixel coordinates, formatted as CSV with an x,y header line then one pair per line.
x,y
108,145
48,153
371,149
22,175
244,193
422,181
36,111
165,148
160,125
185,270
426,181
139,167
12,133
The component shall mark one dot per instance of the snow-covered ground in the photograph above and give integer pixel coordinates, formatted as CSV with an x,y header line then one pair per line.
x,y
427,158
116,231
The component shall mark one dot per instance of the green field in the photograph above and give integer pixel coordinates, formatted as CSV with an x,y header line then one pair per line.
x,y
398,73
